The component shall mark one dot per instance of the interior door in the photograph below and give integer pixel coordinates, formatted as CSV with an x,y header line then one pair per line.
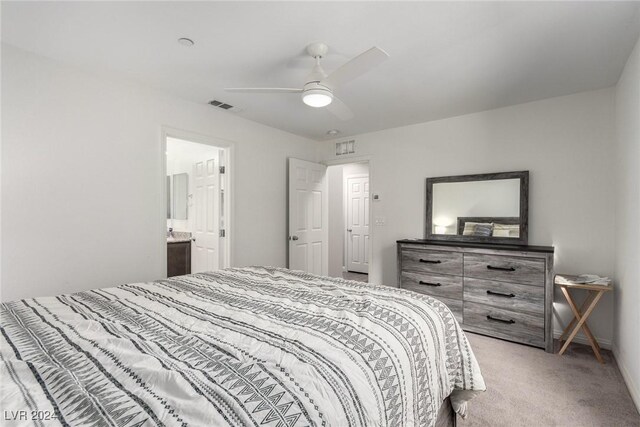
x,y
357,223
206,225
308,217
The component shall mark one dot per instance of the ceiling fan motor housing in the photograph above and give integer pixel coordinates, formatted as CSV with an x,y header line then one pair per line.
x,y
316,95
317,50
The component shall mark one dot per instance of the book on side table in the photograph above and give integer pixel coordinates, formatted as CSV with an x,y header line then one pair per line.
x,y
582,279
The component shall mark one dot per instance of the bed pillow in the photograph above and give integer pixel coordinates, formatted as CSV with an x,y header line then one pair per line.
x,y
506,230
469,228
483,230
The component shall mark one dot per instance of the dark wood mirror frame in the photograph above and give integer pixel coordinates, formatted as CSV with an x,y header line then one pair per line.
x,y
523,239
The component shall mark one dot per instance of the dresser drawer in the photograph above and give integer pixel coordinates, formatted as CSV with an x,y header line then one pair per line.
x,y
454,304
433,284
428,261
525,271
509,296
520,327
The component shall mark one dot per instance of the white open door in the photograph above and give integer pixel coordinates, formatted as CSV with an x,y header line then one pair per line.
x,y
308,217
206,226
358,223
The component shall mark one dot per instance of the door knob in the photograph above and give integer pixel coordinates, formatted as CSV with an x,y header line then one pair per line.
x,y
294,237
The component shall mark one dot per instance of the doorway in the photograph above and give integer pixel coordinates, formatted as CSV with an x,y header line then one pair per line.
x,y
349,215
328,218
197,205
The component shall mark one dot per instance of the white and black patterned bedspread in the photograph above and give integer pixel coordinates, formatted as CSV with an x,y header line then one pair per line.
x,y
251,346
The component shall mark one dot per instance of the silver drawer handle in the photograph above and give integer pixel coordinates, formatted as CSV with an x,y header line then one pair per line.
x,y
500,294
496,319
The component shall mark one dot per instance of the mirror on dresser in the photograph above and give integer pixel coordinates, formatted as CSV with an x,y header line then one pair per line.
x,y
485,208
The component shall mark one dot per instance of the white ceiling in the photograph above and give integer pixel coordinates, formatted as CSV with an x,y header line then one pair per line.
x,y
446,58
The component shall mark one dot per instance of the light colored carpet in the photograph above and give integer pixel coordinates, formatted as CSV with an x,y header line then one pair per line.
x,y
359,277
528,387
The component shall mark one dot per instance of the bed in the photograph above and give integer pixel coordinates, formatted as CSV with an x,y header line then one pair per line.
x,y
253,346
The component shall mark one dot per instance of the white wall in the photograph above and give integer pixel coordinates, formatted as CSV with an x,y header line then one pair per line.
x,y
566,143
82,182
627,269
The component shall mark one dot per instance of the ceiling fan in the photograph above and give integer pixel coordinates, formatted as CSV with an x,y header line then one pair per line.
x,y
319,87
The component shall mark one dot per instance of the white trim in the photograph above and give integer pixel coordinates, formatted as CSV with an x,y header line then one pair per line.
x,y
633,388
162,236
348,160
229,148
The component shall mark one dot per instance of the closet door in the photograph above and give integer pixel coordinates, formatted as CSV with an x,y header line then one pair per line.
x,y
357,223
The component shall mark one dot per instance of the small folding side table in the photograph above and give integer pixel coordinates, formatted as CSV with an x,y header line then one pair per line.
x,y
594,293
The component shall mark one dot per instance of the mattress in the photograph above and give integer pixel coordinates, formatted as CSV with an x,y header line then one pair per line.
x,y
252,346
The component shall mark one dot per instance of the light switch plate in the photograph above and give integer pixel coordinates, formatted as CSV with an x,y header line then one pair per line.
x,y
379,221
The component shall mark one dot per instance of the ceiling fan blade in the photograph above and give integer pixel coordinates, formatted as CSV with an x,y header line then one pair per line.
x,y
356,67
263,90
340,109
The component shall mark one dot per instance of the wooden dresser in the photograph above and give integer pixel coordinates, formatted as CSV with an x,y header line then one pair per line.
x,y
497,290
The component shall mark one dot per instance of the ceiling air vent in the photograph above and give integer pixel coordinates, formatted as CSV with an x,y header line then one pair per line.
x,y
345,147
224,105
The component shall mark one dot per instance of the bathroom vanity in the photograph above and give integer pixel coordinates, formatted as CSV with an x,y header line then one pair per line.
x,y
179,254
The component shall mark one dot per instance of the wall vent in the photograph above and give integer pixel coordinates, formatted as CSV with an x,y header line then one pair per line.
x,y
223,105
345,147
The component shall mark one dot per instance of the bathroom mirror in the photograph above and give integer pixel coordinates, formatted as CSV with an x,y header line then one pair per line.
x,y
180,195
486,208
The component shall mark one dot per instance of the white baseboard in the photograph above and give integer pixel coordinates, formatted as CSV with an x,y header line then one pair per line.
x,y
581,339
633,388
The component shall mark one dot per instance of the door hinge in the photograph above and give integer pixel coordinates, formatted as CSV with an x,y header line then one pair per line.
x,y
222,169
222,232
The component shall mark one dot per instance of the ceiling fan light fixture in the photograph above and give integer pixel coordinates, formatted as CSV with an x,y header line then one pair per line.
x,y
317,98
